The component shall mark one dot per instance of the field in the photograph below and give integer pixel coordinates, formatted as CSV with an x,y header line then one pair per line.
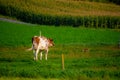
x,y
60,7
101,61
64,12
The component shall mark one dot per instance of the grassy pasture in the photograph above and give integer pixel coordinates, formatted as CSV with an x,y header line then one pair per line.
x,y
101,62
20,35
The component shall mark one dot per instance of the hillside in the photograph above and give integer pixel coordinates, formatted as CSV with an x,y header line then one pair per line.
x,y
47,11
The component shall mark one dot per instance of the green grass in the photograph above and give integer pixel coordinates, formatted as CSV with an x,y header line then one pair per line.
x,y
20,35
101,62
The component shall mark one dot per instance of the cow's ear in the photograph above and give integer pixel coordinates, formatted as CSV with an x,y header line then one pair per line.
x,y
51,39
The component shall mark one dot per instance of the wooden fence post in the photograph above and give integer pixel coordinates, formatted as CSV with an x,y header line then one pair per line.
x,y
63,66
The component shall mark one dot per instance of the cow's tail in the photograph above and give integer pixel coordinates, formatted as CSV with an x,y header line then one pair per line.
x,y
29,49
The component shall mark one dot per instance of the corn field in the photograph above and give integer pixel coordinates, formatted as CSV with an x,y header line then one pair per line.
x,y
31,12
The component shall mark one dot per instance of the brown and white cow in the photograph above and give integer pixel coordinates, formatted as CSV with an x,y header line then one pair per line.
x,y
41,43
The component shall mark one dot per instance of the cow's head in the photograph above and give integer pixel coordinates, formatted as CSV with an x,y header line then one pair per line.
x,y
51,43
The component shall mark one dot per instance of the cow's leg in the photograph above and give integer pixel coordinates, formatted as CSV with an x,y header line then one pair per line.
x,y
46,54
34,53
41,55
37,51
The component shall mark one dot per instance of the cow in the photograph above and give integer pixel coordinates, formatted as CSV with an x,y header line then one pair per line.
x,y
39,44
